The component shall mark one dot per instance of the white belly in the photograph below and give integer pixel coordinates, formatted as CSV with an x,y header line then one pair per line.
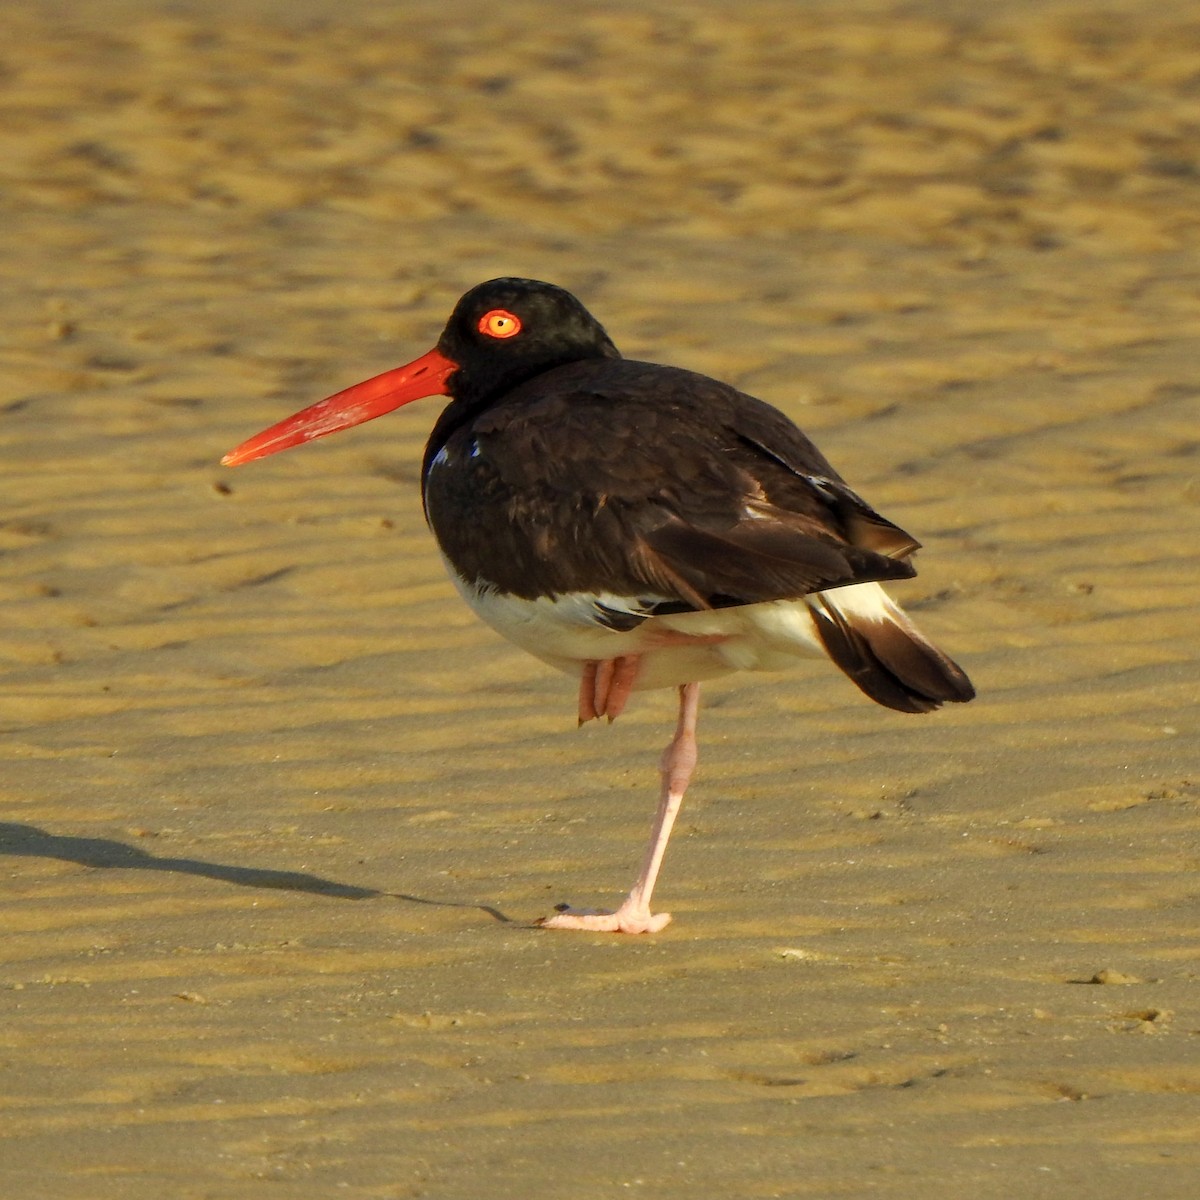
x,y
680,648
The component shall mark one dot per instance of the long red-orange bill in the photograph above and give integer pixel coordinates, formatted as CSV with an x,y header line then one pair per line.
x,y
425,376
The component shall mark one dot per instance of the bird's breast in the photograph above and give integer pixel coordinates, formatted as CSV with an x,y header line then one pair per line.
x,y
514,532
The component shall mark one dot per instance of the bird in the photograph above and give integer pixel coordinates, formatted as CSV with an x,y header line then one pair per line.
x,y
638,526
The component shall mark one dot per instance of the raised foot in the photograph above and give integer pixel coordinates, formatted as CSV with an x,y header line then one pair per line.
x,y
593,920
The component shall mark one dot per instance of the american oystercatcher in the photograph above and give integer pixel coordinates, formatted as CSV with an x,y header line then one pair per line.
x,y
638,526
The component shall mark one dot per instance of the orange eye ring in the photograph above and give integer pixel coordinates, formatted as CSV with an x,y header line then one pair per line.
x,y
499,323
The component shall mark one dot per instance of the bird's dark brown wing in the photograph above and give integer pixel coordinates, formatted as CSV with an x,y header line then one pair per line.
x,y
647,481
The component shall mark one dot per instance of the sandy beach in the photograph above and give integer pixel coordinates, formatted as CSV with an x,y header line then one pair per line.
x,y
277,812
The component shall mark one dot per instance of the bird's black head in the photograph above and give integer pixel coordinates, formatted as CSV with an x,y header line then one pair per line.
x,y
500,334
506,331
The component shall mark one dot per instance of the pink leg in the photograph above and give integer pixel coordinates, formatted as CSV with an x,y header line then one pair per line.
x,y
605,670
634,915
624,676
587,693
604,687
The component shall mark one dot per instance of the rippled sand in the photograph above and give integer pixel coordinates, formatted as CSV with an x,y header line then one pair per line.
x,y
277,811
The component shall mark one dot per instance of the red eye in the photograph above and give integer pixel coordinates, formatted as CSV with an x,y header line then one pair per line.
x,y
499,323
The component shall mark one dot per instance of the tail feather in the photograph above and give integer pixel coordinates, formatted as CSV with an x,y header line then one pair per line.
x,y
872,640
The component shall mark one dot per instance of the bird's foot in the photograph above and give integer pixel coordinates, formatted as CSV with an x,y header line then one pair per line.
x,y
627,919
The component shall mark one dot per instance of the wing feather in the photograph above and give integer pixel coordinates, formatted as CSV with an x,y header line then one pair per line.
x,y
631,479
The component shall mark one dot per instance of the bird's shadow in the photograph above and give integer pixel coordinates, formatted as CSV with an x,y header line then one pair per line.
x,y
31,842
